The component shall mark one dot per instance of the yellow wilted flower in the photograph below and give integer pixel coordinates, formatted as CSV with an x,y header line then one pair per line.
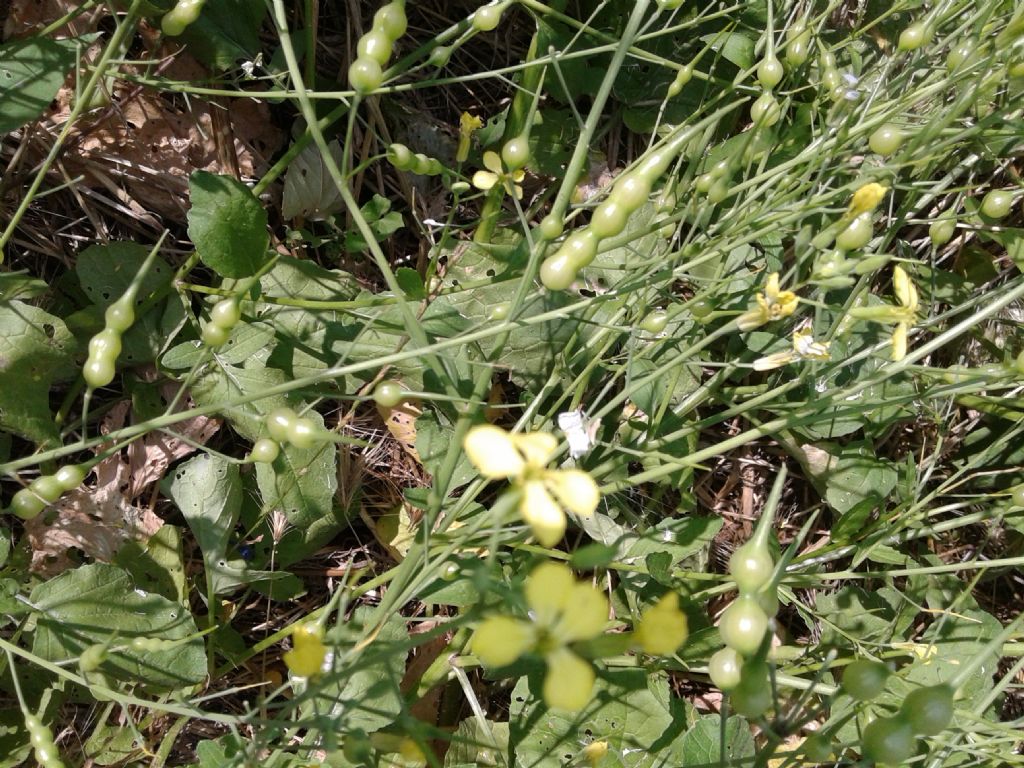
x,y
496,174
663,627
467,125
562,611
773,304
545,493
804,348
306,658
866,198
904,314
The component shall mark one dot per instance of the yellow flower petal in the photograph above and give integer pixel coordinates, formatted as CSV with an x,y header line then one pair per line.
x,y
542,513
899,342
663,627
771,288
584,616
500,640
484,180
492,452
518,176
492,162
752,319
548,589
595,752
775,360
538,448
306,658
903,287
574,489
569,681
867,198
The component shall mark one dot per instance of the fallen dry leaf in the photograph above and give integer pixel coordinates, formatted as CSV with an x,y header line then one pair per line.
x,y
401,423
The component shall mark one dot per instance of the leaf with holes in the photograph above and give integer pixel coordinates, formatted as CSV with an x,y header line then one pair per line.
x,y
31,73
226,32
227,224
97,602
35,350
106,271
309,191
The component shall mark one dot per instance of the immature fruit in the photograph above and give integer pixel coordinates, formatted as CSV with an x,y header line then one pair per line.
x,y
960,53
683,76
26,505
766,110
487,18
655,321
106,343
719,191
215,335
558,272
888,740
724,668
609,218
98,371
516,152
769,72
265,450
751,567
743,625
632,191
376,46
1018,493
70,476
279,421
885,140
303,433
941,231
440,56
388,394
551,227
365,75
581,247
798,47
401,157
913,37
119,316
41,739
91,658
47,487
857,233
177,20
701,308
391,20
928,711
817,748
996,203
865,679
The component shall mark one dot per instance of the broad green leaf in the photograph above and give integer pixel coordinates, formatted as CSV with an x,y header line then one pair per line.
x,y
20,285
95,602
226,32
859,475
112,744
735,47
35,350
702,743
471,745
364,693
156,564
411,283
5,545
208,492
301,483
247,339
630,709
434,441
309,191
854,614
31,72
106,271
217,384
227,224
381,219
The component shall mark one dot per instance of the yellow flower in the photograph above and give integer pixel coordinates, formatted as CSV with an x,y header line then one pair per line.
x,y
804,348
545,493
562,611
904,314
662,627
866,198
773,304
306,658
496,174
467,125
595,752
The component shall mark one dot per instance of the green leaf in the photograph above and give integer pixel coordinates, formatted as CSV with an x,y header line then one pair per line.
x,y
411,283
247,340
434,441
471,745
733,46
35,350
859,475
702,744
301,483
96,602
106,271
856,614
226,31
208,492
157,564
1012,240
19,285
111,744
31,72
217,384
630,709
367,696
309,191
227,224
